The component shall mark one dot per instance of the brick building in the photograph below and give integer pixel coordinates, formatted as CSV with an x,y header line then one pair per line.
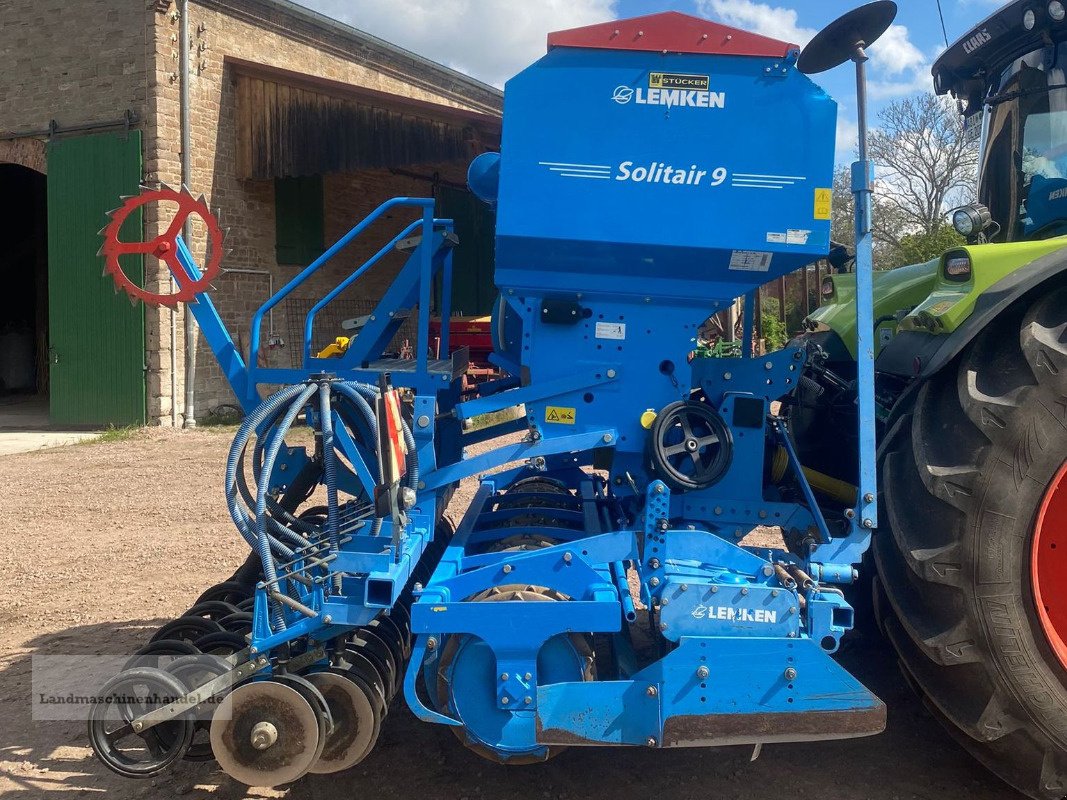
x,y
299,127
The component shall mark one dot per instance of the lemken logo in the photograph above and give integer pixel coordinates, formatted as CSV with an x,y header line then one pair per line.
x,y
978,40
674,98
731,614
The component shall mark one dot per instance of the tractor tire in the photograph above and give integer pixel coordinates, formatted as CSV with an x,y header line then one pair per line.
x,y
965,467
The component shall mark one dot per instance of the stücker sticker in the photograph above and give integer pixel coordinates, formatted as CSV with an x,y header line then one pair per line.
x,y
824,203
561,415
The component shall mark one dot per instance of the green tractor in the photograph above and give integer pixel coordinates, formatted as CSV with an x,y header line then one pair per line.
x,y
971,551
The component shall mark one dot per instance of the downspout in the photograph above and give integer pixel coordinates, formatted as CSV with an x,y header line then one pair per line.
x,y
186,165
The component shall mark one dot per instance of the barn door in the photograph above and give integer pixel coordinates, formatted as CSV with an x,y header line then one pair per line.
x,y
96,337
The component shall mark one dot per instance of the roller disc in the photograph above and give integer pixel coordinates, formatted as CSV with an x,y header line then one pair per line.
x,y
239,622
356,720
389,633
317,702
212,609
356,662
187,629
151,653
194,672
129,695
382,656
265,734
221,643
401,616
227,591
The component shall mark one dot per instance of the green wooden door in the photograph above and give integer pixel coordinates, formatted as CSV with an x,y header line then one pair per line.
x,y
473,292
96,337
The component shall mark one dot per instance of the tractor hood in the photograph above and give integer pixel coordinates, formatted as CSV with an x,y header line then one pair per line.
x,y
894,291
963,274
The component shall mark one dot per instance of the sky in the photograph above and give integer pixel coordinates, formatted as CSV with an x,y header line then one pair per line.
x,y
493,39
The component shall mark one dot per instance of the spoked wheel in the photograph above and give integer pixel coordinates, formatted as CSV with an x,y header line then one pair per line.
x,y
466,679
690,446
356,717
124,698
970,548
265,734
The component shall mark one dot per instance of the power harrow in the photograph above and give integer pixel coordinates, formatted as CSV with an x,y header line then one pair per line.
x,y
608,584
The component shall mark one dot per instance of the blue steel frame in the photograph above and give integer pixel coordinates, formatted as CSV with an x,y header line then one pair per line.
x,y
746,631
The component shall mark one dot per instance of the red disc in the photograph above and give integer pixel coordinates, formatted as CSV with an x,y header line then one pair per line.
x,y
1049,564
163,247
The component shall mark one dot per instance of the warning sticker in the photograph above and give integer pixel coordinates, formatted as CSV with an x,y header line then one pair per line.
x,y
750,260
611,330
824,203
560,415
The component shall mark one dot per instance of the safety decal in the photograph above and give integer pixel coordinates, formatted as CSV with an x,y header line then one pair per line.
x,y
750,260
560,415
610,330
824,204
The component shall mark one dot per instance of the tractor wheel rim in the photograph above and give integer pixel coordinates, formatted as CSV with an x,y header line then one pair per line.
x,y
1049,564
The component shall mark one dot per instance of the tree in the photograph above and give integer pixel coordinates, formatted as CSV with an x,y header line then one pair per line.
x,y
926,162
916,248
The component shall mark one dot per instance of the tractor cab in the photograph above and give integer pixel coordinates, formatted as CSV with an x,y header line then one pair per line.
x,y
1010,76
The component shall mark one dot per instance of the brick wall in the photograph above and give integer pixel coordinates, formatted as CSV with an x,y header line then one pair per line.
x,y
72,62
247,207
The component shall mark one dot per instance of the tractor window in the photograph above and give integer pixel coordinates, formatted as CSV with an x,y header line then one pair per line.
x,y
1024,170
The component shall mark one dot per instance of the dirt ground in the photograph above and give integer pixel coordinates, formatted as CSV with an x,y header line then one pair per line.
x,y
104,542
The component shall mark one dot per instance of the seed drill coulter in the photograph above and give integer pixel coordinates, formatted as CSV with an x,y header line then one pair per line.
x,y
613,582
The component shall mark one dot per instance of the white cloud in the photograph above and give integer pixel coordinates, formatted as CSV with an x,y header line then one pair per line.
x,y
895,53
918,80
488,39
847,137
774,21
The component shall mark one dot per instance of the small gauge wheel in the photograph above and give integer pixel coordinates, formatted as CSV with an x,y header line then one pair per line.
x,y
690,446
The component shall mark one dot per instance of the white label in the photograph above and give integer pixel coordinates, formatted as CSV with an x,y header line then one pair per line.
x,y
611,330
750,260
795,236
776,238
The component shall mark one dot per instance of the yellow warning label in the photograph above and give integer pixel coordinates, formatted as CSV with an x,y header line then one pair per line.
x,y
559,414
824,203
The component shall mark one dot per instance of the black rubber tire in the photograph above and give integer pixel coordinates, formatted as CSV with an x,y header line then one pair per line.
x,y
964,467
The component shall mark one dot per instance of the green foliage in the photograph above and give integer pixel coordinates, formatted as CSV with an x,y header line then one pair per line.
x,y
774,331
917,248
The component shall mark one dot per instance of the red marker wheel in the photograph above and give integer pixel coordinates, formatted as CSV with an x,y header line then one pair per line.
x,y
163,247
1049,564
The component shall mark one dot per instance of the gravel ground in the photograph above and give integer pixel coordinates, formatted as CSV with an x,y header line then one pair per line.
x,y
104,542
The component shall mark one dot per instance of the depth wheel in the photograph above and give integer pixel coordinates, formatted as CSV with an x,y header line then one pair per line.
x,y
124,698
265,734
466,678
971,540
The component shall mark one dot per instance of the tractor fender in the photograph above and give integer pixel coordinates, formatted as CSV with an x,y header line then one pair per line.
x,y
920,354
